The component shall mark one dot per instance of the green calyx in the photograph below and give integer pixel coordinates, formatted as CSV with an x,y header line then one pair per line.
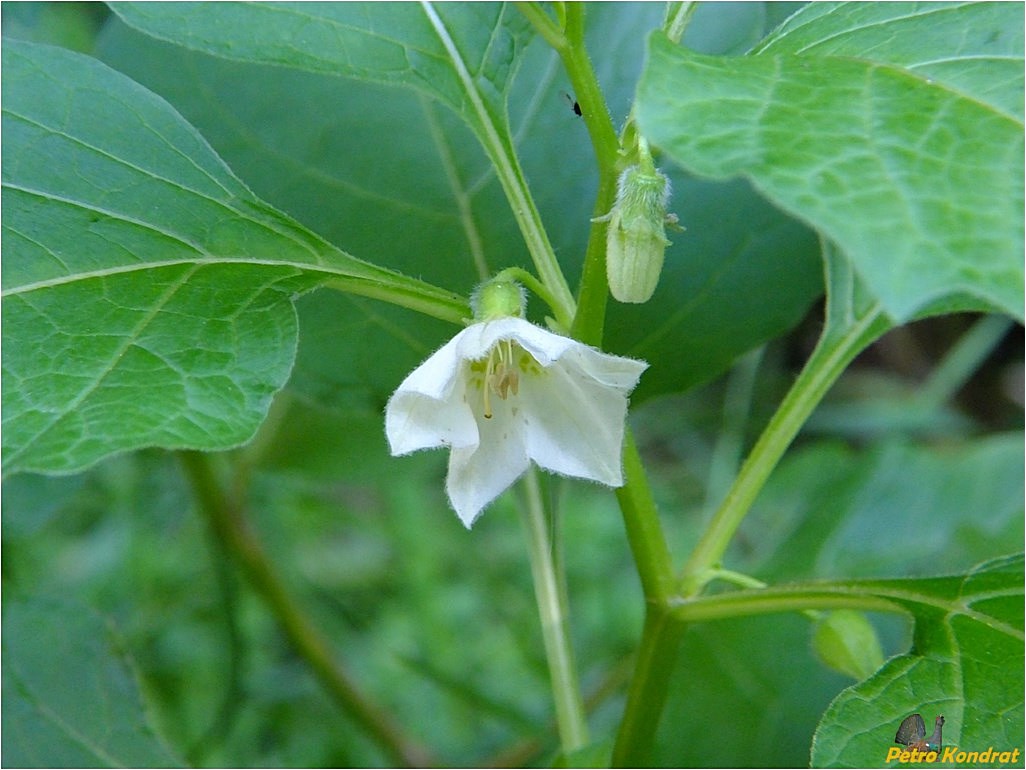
x,y
498,298
636,238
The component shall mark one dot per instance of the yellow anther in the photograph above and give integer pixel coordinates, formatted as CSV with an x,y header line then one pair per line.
x,y
501,375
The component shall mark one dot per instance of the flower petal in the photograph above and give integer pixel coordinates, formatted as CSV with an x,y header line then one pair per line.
x,y
477,475
567,414
545,346
429,408
603,368
575,421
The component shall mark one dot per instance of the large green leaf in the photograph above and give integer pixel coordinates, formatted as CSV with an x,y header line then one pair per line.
x,y
966,665
398,179
973,47
365,165
463,55
147,293
70,696
846,119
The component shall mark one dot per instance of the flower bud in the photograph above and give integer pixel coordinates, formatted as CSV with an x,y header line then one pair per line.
x,y
846,641
498,299
636,237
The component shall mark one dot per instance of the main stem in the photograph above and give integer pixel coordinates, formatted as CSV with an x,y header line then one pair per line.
x,y
660,638
664,621
593,293
573,727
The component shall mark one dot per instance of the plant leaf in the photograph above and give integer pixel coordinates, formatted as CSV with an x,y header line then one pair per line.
x,y
464,56
916,180
70,697
460,54
742,272
975,48
147,293
966,664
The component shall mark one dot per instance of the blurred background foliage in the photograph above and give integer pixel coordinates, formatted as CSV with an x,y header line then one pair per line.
x,y
439,624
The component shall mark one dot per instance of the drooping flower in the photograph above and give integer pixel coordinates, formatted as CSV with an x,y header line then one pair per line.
x,y
504,392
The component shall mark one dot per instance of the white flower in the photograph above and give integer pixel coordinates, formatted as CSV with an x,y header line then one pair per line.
x,y
504,392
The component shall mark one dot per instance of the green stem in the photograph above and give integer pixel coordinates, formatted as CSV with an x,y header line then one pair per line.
x,y
498,145
657,650
573,727
593,291
225,516
577,63
568,42
793,598
747,581
453,309
644,532
657,656
828,361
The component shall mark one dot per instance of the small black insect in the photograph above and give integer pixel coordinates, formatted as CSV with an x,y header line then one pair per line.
x,y
574,104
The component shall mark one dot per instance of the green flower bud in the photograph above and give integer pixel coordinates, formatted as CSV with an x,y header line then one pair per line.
x,y
498,299
846,641
636,237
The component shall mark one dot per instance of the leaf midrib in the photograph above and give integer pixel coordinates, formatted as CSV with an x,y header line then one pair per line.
x,y
327,270
225,205
128,340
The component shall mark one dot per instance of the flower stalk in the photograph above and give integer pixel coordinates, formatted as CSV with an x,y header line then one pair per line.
x,y
552,609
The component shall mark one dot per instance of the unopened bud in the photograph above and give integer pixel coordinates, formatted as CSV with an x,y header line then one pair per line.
x,y
636,237
846,641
